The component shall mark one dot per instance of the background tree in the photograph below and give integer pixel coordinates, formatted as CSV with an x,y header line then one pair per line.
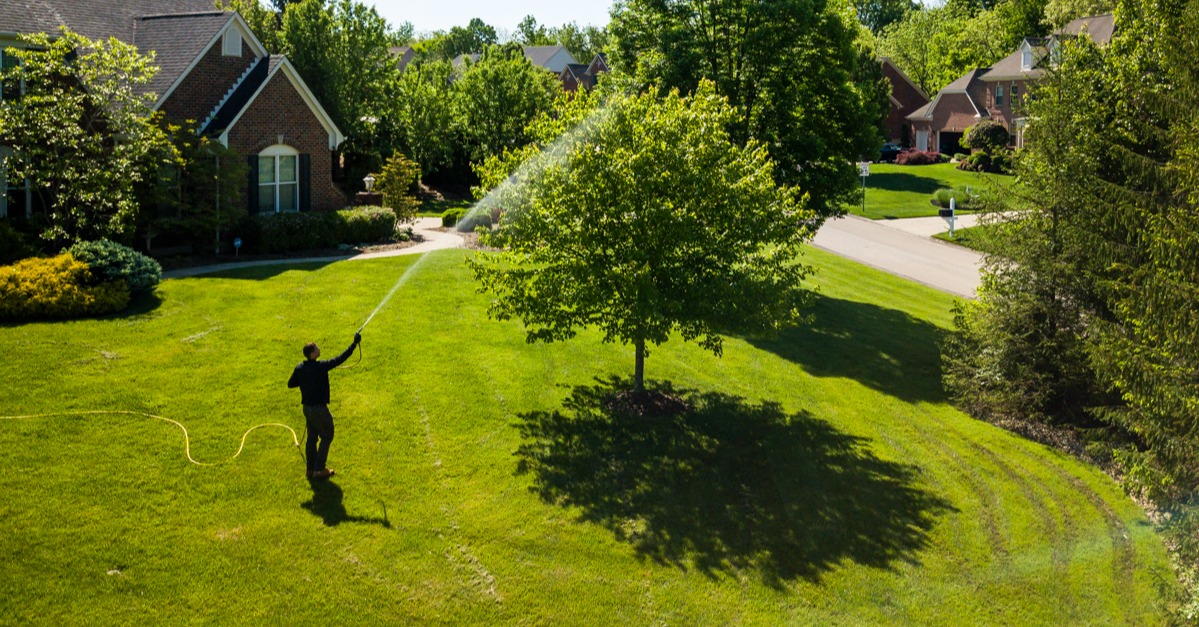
x,y
786,67
877,15
197,196
498,97
645,220
397,180
425,111
935,46
584,42
1090,320
340,48
81,133
1058,13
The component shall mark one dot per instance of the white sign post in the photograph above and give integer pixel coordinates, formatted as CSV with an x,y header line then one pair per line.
x,y
864,171
952,214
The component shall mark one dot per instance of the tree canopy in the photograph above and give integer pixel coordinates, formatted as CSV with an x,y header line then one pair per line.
x,y
786,67
83,132
644,218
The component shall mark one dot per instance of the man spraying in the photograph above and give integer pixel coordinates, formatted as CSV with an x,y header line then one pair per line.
x,y
312,377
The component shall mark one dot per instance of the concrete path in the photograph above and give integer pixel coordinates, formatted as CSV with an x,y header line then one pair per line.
x,y
433,240
928,227
902,249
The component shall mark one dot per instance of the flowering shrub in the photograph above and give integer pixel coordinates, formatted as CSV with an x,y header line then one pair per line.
x,y
918,157
56,287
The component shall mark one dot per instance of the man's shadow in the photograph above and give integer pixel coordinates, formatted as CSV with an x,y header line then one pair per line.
x,y
327,503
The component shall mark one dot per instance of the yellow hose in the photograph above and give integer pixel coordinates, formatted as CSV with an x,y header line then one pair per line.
x,y
186,438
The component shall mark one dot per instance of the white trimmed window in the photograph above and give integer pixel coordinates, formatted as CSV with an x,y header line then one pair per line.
x,y
1026,59
999,95
278,179
231,43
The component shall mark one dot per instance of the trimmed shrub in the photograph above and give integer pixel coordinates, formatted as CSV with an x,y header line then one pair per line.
x,y
289,232
13,245
56,287
110,261
450,217
987,136
941,196
918,157
472,220
366,225
960,157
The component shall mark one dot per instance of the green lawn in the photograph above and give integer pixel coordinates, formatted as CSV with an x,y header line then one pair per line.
x,y
821,479
434,208
904,191
975,237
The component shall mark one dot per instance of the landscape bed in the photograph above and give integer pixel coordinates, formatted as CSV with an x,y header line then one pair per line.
x,y
822,477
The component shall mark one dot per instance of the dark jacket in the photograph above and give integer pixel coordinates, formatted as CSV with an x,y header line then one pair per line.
x,y
312,377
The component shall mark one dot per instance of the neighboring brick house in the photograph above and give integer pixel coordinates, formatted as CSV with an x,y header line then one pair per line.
x,y
577,75
215,76
906,98
998,92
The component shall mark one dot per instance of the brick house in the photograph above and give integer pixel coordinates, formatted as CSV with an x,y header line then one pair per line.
x,y
997,92
577,75
216,77
906,98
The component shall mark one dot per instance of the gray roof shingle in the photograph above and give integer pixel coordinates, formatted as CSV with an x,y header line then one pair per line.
x,y
176,41
94,19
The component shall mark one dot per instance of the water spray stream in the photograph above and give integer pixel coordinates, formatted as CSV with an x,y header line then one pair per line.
x,y
401,281
553,153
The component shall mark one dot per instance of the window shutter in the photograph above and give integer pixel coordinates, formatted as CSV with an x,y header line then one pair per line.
x,y
305,184
252,196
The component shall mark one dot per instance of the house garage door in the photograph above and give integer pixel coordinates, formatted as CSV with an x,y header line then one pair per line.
x,y
951,143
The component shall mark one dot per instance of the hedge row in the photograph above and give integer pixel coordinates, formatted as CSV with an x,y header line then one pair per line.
x,y
314,230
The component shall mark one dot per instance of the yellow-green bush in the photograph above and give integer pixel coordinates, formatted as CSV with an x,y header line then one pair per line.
x,y
56,287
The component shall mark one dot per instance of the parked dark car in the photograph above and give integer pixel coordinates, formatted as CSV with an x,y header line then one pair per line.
x,y
889,151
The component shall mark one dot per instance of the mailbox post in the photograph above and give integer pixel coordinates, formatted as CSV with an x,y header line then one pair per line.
x,y
864,171
948,214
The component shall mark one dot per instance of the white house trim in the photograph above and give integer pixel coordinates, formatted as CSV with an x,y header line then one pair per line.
x,y
335,136
247,36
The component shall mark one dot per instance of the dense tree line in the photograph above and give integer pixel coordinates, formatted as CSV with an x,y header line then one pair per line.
x,y
1089,316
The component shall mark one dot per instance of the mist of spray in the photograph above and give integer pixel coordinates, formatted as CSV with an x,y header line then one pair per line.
x,y
553,153
401,281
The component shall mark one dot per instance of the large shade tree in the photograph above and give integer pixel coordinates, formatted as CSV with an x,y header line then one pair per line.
x,y
644,219
81,131
786,66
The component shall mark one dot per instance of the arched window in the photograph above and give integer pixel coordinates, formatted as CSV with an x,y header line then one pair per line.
x,y
278,179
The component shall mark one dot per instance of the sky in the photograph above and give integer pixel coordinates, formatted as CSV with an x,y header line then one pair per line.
x,y
504,15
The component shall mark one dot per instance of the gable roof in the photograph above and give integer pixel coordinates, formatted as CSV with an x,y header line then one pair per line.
x,y
1099,27
541,55
94,19
177,41
886,62
252,84
959,86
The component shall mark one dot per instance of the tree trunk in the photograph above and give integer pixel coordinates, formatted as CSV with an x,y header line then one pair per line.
x,y
639,369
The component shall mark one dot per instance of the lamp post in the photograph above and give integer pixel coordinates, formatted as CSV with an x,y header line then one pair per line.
x,y
369,181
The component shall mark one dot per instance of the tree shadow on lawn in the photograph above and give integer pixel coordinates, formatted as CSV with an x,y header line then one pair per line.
x,y
904,182
269,269
885,349
727,485
327,503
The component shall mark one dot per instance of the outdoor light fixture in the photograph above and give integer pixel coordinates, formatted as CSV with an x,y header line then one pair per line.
x,y
370,182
